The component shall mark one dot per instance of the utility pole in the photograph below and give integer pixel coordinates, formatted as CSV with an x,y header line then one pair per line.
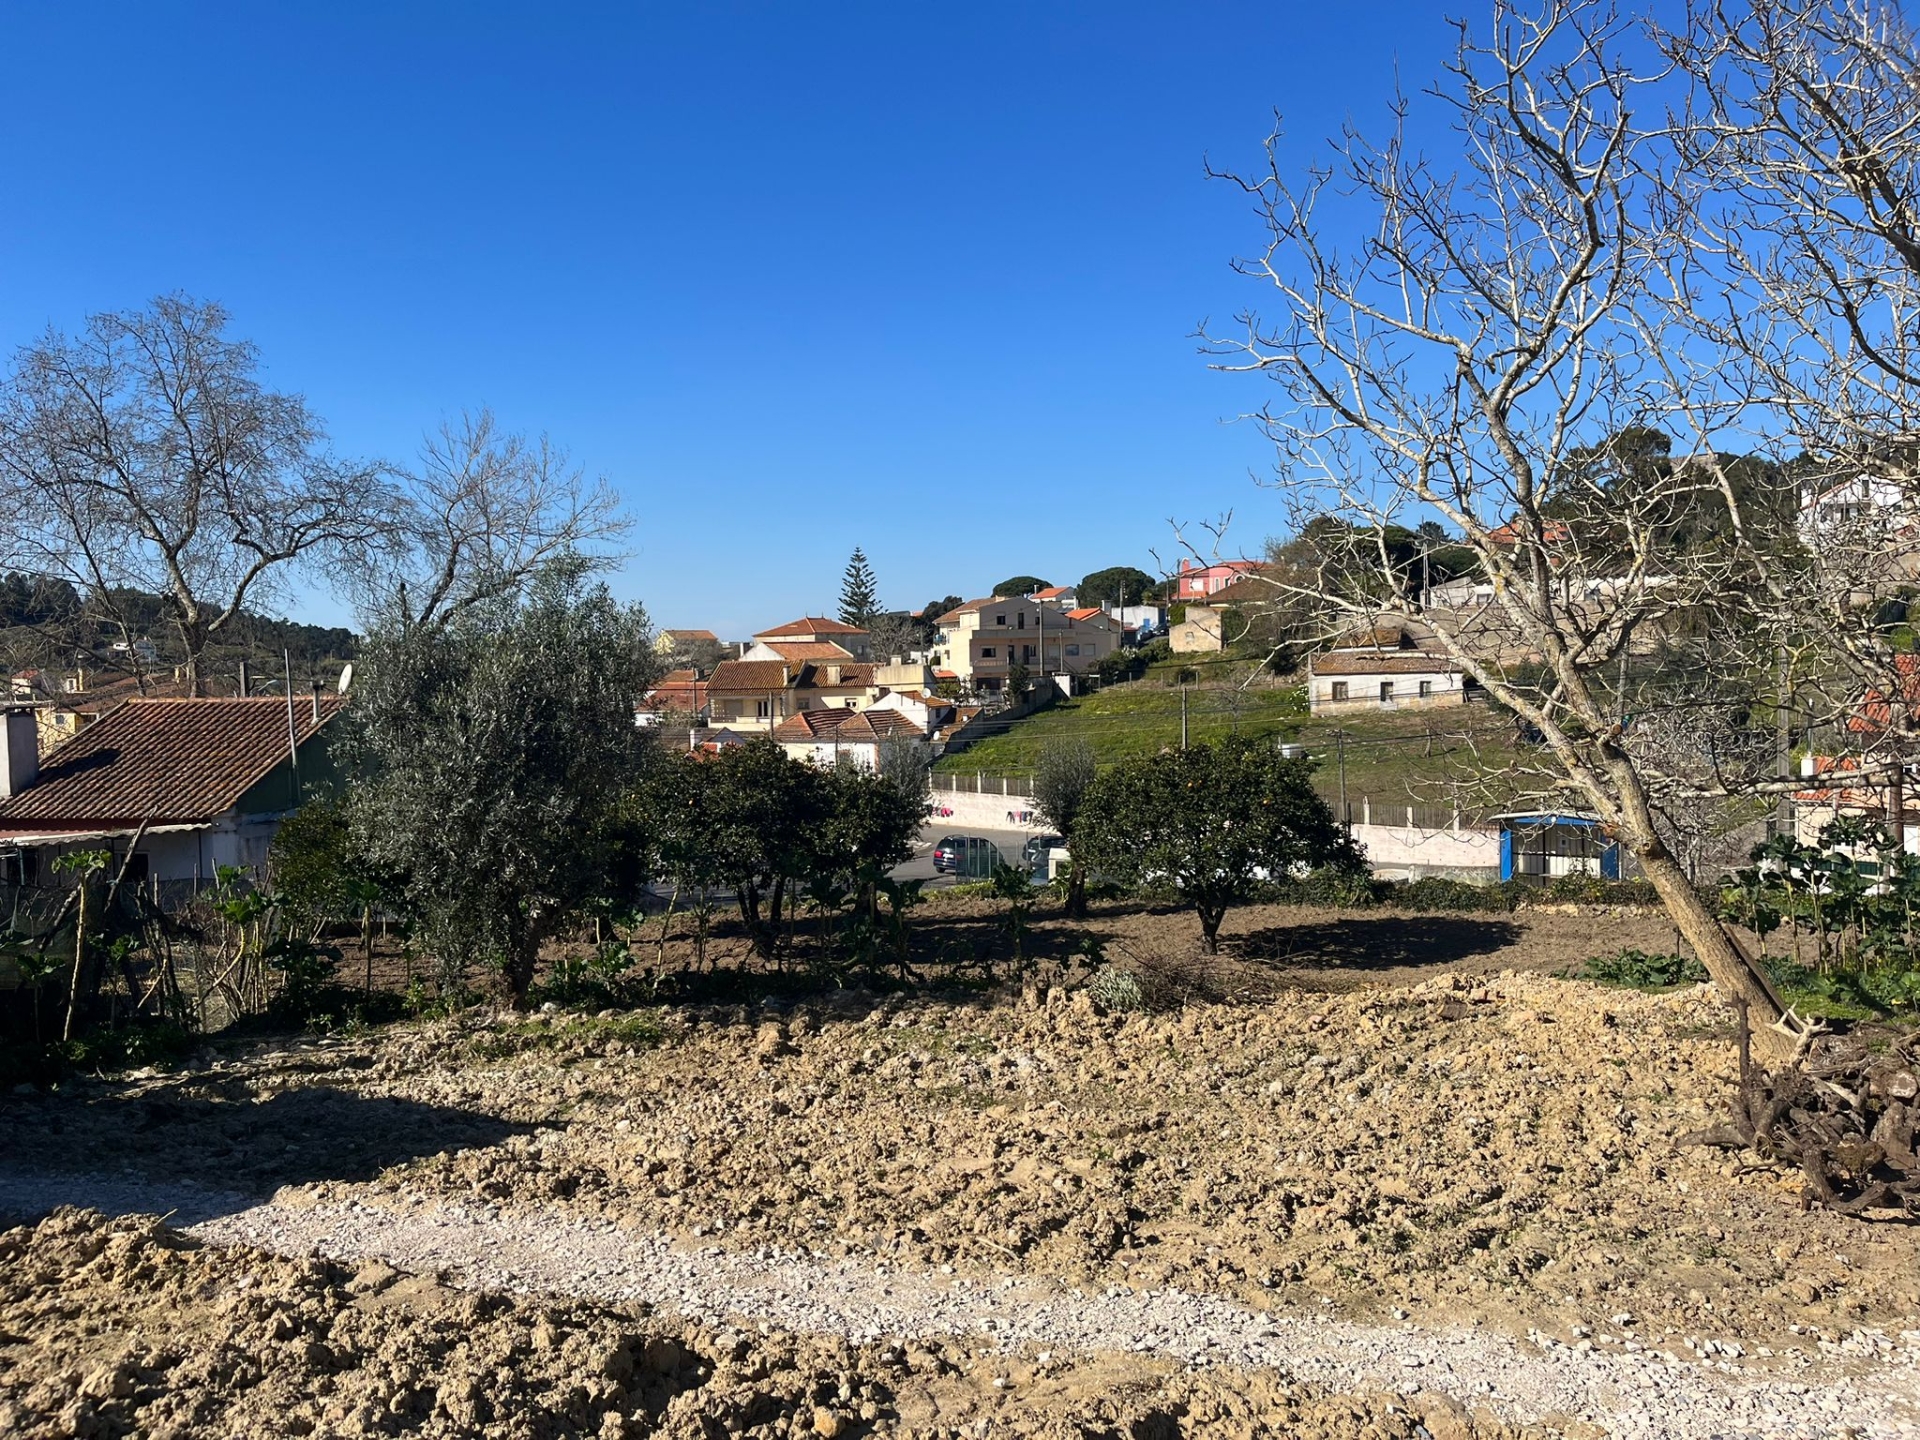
x,y
293,737
1183,714
1346,811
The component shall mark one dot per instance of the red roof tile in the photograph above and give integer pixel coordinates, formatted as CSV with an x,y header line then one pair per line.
x,y
809,625
824,651
169,762
760,675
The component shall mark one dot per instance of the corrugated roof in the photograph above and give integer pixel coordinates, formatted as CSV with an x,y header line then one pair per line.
x,y
168,761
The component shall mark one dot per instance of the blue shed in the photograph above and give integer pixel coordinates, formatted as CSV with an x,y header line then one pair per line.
x,y
1543,845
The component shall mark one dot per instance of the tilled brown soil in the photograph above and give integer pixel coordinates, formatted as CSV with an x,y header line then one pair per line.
x,y
123,1327
1455,1143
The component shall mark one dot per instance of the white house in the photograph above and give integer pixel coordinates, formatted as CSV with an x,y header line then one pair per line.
x,y
1387,667
844,737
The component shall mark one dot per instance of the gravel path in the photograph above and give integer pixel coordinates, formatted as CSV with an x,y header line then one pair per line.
x,y
1869,1381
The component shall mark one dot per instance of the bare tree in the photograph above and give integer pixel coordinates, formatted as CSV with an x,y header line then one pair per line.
x,y
1799,144
145,454
481,512
1468,357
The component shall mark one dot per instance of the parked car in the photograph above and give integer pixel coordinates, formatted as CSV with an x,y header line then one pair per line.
x,y
973,856
1034,854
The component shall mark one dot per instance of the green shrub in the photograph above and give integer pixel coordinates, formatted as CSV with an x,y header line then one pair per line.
x,y
1637,970
1118,992
1435,893
965,890
147,1041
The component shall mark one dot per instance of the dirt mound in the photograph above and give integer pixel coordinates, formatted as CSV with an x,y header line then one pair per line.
x,y
121,1327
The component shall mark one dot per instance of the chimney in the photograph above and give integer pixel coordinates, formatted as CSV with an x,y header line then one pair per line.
x,y
19,751
315,685
246,686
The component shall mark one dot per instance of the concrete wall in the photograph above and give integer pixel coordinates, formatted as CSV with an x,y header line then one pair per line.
x,y
1396,852
967,812
1408,852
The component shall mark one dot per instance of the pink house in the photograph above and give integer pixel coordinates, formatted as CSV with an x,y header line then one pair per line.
x,y
1197,582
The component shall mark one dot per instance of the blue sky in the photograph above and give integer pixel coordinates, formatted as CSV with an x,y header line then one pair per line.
x,y
794,277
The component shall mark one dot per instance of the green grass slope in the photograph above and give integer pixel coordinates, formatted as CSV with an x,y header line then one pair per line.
x,y
1404,756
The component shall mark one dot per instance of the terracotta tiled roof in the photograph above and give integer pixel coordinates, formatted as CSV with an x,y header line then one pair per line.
x,y
809,625
1085,613
1381,662
691,636
759,675
822,651
810,724
1249,589
1552,532
1053,592
166,761
848,727
1876,713
852,675
975,605
680,690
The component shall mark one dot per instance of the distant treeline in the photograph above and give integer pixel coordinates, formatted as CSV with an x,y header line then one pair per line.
x,y
45,622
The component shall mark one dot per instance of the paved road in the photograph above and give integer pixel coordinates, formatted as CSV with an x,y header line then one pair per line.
x,y
921,866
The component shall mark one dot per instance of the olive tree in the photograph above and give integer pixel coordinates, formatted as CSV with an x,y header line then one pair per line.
x,y
1060,783
1214,821
492,758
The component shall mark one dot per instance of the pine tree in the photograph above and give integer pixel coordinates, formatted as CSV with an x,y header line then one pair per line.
x,y
858,600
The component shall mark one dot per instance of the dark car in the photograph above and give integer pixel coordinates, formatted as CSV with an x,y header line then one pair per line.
x,y
967,855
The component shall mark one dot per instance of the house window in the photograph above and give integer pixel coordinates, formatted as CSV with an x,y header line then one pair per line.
x,y
987,652
1386,692
1339,690
763,709
1073,649
1426,689
1023,621
999,619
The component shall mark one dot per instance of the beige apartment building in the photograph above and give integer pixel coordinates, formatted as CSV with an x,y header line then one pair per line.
x,y
981,641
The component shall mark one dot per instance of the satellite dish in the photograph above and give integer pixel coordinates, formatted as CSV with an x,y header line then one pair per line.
x,y
346,677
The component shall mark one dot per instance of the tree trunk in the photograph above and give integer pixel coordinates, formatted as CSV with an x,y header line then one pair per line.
x,y
1210,929
520,967
1076,891
79,963
1736,977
